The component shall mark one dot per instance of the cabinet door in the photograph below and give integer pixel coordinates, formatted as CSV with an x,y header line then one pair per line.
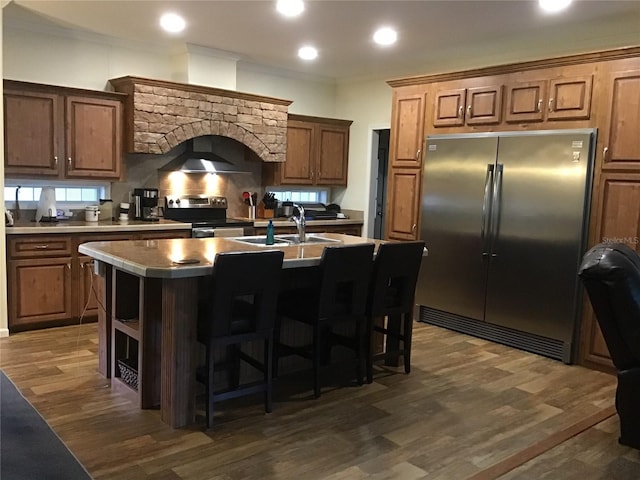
x,y
39,291
484,105
87,301
449,108
620,125
298,168
407,130
618,220
32,133
404,199
331,156
525,102
94,137
570,98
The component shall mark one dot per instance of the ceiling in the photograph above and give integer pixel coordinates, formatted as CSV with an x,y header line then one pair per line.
x,y
434,36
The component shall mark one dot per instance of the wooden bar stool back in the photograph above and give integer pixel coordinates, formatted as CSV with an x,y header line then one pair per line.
x,y
241,307
391,297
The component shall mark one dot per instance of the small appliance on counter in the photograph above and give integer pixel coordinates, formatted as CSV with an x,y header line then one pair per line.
x,y
92,213
46,211
145,204
106,209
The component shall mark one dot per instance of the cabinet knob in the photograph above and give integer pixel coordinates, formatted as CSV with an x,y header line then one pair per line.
x,y
460,110
539,105
41,247
415,225
418,154
55,161
605,150
69,161
69,266
469,111
551,104
319,174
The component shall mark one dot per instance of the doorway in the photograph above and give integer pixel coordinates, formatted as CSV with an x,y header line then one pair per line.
x,y
382,155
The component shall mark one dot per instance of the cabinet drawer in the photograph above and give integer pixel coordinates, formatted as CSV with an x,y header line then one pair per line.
x,y
39,246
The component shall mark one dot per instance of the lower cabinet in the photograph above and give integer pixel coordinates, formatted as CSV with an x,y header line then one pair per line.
x,y
403,203
51,284
345,229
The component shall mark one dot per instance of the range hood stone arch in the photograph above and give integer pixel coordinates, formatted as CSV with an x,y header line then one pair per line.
x,y
160,115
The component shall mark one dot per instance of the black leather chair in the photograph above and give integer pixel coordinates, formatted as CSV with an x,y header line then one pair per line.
x,y
338,297
611,276
241,307
391,297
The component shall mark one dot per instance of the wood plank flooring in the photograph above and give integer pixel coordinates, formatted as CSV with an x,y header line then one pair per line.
x,y
469,409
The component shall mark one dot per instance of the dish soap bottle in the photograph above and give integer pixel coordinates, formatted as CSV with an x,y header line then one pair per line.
x,y
270,233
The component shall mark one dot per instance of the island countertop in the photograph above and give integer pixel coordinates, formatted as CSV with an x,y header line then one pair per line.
x,y
161,258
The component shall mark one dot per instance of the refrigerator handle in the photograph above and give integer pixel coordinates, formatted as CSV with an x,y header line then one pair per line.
x,y
496,207
488,182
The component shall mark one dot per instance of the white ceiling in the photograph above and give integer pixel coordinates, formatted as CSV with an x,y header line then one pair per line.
x,y
433,35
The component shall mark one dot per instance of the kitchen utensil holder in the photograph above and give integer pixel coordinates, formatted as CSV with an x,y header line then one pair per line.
x,y
252,212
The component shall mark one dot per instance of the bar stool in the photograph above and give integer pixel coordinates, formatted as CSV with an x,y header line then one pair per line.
x,y
391,295
338,297
241,307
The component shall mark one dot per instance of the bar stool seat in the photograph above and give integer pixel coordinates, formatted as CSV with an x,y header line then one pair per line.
x,y
242,295
338,297
391,297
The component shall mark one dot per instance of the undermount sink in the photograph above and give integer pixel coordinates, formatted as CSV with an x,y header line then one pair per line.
x,y
283,240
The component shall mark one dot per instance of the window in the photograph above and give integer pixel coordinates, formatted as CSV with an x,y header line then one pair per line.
x,y
320,196
71,196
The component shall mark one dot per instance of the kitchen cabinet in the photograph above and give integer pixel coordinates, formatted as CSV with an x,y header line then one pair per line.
x,y
345,229
403,203
57,132
317,153
621,118
407,131
474,105
51,284
549,100
39,281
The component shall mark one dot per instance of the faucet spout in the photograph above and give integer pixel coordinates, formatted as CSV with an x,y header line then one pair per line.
x,y
300,222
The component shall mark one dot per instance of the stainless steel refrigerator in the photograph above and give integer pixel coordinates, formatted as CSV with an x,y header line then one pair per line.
x,y
504,217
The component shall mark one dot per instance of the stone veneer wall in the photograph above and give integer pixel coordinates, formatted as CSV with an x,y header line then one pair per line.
x,y
160,115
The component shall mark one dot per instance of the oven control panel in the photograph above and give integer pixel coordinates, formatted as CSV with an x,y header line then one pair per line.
x,y
195,201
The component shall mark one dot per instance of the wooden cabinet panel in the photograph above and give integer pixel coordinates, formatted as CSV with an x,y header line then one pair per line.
x,y
333,151
39,246
407,131
622,121
449,108
317,153
570,98
94,137
404,199
39,291
484,105
62,132
549,100
31,133
298,168
525,102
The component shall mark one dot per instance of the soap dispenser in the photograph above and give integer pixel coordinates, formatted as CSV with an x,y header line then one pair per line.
x,y
270,233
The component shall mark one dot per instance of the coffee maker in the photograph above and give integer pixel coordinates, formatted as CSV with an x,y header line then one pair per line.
x,y
145,204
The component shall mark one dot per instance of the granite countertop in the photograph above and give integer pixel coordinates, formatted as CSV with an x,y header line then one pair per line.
x,y
80,226
156,258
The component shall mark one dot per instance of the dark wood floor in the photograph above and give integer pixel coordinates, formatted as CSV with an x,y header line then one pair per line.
x,y
469,409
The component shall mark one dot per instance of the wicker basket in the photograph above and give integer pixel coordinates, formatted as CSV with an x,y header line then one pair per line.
x,y
128,372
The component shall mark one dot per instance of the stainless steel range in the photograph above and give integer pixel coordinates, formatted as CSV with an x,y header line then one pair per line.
x,y
207,215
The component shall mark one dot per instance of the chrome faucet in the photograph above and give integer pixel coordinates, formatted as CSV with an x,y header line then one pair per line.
x,y
300,222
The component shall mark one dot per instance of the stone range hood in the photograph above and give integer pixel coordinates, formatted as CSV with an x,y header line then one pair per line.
x,y
159,115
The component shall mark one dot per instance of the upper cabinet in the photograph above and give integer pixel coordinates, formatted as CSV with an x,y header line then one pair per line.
x,y
478,105
317,153
556,99
57,132
407,132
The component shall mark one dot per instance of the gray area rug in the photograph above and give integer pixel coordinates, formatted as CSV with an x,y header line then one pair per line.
x,y
29,448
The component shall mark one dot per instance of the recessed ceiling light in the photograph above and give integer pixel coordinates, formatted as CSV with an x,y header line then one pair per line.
x,y
553,5
307,53
172,23
385,36
290,8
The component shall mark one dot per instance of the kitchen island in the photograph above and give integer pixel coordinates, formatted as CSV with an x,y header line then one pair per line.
x,y
149,290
